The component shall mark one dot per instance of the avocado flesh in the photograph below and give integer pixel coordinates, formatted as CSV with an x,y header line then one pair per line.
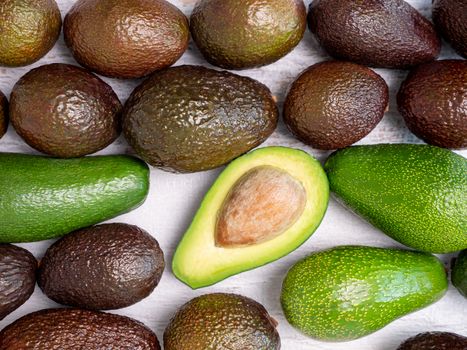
x,y
199,262
459,273
3,114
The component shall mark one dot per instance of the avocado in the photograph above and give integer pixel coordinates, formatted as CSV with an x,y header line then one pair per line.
x,y
191,118
126,38
3,114
17,277
252,33
459,273
383,33
435,341
76,329
348,292
28,30
450,18
103,267
432,102
222,322
334,104
44,197
263,206
413,193
65,111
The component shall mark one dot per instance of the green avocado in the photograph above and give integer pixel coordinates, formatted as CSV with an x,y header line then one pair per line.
x,y
349,292
42,198
459,273
3,114
416,194
263,206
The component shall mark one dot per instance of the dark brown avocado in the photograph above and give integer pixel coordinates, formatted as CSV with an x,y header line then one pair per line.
x,y
3,114
435,341
432,102
71,329
334,104
450,17
102,267
17,277
65,111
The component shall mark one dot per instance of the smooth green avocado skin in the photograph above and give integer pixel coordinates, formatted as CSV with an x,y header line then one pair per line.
x,y
416,194
459,273
42,198
349,292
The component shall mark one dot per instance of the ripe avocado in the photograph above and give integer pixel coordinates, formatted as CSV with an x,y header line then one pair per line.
x,y
432,101
334,104
435,341
222,322
17,277
28,30
251,33
459,273
102,267
126,38
263,206
450,17
349,292
44,197
3,114
413,193
383,33
67,329
191,118
65,111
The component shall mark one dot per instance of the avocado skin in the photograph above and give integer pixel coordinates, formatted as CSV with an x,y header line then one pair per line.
x,y
348,292
435,340
22,40
222,322
103,267
17,277
3,114
334,104
252,33
67,329
190,118
44,198
65,111
450,18
126,38
381,33
459,273
413,193
432,102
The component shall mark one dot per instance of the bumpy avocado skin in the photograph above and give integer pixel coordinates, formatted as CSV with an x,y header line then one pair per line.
x,y
385,33
435,340
450,18
17,277
413,193
191,118
3,114
251,33
222,322
66,329
126,38
102,267
459,273
28,30
334,104
432,102
349,292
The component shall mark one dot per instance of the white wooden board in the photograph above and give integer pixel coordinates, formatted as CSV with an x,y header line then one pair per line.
x,y
173,200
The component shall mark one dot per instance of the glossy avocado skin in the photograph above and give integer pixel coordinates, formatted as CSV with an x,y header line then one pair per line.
x,y
435,340
3,114
222,322
17,277
102,267
251,33
22,40
382,33
65,111
413,193
44,197
63,329
450,18
126,38
191,118
334,104
459,273
348,292
432,102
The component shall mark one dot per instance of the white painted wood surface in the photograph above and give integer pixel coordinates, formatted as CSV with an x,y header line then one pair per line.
x,y
173,200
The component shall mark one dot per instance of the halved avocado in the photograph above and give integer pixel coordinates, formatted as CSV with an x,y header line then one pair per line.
x,y
263,206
